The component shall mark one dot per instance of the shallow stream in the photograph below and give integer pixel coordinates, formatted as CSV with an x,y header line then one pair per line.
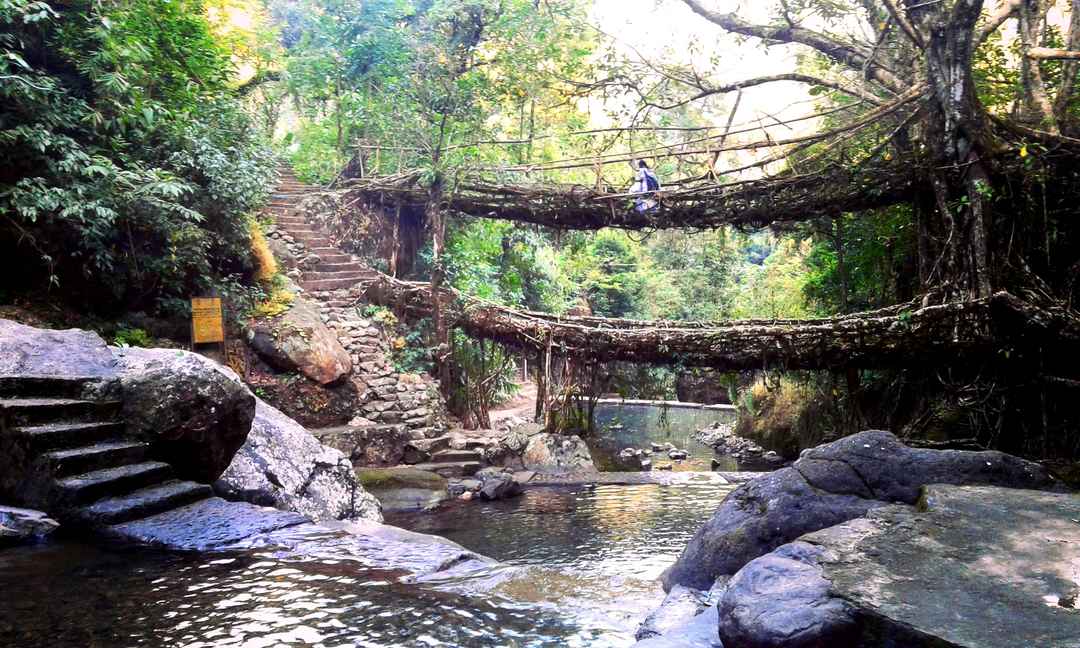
x,y
578,569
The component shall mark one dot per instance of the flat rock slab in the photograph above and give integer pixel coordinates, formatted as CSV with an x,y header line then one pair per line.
x,y
970,567
981,566
25,350
663,478
212,523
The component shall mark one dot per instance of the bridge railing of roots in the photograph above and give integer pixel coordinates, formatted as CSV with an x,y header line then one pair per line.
x,y
842,169
849,168
998,329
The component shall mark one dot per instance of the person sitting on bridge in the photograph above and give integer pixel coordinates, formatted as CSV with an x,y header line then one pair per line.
x,y
645,183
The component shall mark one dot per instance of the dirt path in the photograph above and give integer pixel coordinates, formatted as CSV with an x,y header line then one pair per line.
x,y
522,405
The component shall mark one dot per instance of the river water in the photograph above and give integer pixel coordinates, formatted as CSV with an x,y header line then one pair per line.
x,y
638,424
578,569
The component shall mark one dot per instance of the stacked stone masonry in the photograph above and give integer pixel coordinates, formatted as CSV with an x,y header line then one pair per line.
x,y
397,404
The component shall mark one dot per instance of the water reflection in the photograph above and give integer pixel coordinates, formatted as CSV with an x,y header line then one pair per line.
x,y
580,569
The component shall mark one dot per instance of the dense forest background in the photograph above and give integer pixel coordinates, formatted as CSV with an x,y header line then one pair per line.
x,y
139,138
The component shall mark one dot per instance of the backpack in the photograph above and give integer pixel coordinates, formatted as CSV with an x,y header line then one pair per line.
x,y
651,181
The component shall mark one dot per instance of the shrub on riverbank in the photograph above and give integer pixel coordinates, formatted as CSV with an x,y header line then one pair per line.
x,y
130,167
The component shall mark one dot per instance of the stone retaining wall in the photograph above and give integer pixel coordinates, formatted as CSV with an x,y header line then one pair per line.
x,y
391,398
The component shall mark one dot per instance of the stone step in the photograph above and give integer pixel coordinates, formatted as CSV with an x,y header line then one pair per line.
x,y
87,487
327,284
290,221
68,435
31,411
339,274
313,240
342,266
109,454
333,258
450,469
455,456
44,386
145,502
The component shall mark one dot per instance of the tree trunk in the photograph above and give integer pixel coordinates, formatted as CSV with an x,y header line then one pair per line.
x,y
957,128
438,317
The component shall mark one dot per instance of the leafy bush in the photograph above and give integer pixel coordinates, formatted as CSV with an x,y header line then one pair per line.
x,y
129,167
265,264
132,337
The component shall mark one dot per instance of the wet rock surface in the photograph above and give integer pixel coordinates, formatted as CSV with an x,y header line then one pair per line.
x,y
697,632
971,566
829,485
283,465
680,606
747,454
404,488
299,340
210,524
24,526
194,412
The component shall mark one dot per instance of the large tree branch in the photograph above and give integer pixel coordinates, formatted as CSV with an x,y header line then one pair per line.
x,y
706,91
843,53
1048,53
905,24
1005,10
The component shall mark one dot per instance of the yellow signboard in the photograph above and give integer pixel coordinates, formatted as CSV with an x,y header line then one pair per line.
x,y
206,320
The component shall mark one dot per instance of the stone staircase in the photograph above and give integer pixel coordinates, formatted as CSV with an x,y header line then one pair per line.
x,y
335,270
70,455
449,455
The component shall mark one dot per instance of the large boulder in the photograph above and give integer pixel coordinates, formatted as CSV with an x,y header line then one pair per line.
x,y
19,525
283,465
556,453
784,599
25,350
194,412
971,566
828,485
299,341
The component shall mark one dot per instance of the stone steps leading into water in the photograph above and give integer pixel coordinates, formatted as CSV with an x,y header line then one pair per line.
x,y
52,436
120,480
449,469
44,386
455,456
100,456
31,411
74,458
145,502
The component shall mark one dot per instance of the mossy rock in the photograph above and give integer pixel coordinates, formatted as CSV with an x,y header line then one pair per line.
x,y
386,478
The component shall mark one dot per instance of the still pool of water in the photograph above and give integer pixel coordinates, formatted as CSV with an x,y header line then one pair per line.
x,y
632,424
578,569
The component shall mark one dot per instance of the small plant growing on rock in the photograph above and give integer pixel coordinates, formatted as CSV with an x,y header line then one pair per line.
x,y
132,337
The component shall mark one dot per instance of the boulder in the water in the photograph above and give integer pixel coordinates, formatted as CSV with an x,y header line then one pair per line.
x,y
556,453
404,489
282,465
194,412
828,485
22,526
497,483
971,566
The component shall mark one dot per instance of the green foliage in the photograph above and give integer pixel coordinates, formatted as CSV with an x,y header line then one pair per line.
x,y
130,167
132,337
